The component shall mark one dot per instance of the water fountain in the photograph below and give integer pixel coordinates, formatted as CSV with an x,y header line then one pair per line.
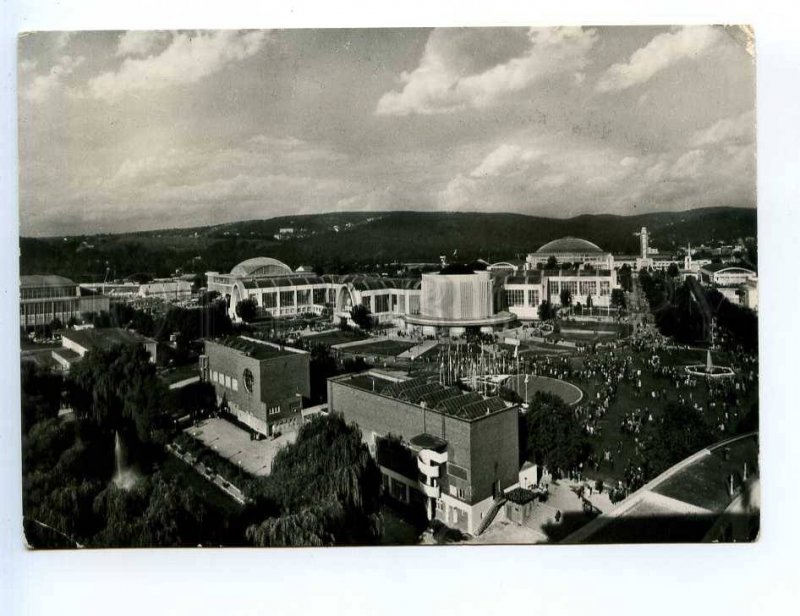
x,y
124,476
709,370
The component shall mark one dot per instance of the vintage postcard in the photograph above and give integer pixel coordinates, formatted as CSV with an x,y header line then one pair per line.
x,y
331,287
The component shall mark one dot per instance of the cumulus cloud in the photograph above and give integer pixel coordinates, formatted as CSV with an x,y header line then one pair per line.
x,y
562,175
662,52
187,59
740,129
140,42
43,86
503,159
446,79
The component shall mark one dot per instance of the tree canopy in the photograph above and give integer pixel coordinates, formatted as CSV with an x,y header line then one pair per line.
x,y
324,489
119,390
247,310
554,435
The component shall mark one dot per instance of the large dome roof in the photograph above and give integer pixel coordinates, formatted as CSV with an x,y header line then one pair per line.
x,y
261,266
569,244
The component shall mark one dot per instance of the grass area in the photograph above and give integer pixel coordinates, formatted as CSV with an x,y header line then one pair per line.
x,y
626,401
333,338
566,391
381,347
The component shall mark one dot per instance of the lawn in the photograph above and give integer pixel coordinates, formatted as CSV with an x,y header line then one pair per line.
x,y
391,348
333,338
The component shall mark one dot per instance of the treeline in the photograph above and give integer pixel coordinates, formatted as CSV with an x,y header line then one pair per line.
x,y
69,498
392,236
323,490
685,312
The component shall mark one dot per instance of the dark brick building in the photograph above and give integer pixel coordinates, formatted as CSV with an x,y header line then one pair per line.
x,y
263,384
465,445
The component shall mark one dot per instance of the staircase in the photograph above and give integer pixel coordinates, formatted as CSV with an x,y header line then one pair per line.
x,y
490,515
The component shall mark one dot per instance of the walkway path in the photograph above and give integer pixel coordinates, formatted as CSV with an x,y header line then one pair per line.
x,y
418,350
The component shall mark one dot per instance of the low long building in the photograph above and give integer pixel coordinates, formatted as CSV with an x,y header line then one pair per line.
x,y
262,384
44,299
75,344
465,445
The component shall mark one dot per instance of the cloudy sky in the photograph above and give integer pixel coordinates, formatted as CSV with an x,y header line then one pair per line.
x,y
143,130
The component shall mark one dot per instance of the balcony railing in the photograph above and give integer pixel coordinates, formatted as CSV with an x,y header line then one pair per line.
x,y
428,456
427,469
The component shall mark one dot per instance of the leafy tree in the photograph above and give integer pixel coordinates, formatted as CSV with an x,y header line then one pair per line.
x,y
625,277
361,316
672,270
198,399
618,298
566,297
679,431
247,310
555,437
41,394
325,487
552,263
546,311
322,366
118,389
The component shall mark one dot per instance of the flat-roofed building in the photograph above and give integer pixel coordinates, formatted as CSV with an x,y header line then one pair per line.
x,y
262,384
46,298
75,344
464,445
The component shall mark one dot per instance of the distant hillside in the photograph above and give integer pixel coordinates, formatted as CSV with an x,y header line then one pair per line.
x,y
367,238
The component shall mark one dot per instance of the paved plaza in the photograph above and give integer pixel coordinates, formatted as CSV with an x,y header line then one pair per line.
x,y
235,444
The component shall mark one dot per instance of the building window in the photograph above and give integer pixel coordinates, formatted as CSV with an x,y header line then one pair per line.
x,y
381,303
453,490
303,297
605,287
367,301
287,298
269,300
235,384
552,287
227,381
571,286
515,297
248,379
533,298
319,297
588,287
275,410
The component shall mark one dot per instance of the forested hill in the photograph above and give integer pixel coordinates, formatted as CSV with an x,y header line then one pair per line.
x,y
367,238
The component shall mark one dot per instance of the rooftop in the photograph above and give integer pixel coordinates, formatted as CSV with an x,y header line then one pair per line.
x,y
257,349
427,392
569,245
261,266
49,280
104,338
683,503
718,267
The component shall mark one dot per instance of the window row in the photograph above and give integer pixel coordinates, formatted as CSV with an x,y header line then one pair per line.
x,y
225,380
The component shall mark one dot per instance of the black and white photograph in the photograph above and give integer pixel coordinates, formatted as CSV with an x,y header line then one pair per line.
x,y
388,287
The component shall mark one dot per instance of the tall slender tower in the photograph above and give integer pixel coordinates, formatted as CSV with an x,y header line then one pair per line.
x,y
644,242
